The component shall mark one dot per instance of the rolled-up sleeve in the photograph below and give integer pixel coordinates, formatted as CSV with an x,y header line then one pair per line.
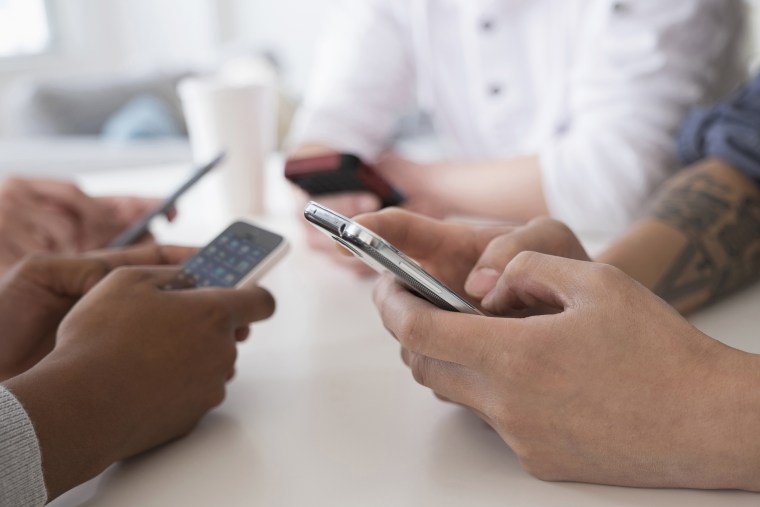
x,y
729,131
639,68
362,80
22,483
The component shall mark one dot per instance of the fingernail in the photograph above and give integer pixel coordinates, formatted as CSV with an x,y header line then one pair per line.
x,y
481,282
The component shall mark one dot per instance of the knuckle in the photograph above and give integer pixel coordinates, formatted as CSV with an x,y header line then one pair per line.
x,y
420,367
407,331
523,261
605,274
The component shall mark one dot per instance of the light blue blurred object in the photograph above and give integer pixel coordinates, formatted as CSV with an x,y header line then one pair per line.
x,y
143,117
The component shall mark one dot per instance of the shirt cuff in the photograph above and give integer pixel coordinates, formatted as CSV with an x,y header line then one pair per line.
x,y
576,197
22,482
319,128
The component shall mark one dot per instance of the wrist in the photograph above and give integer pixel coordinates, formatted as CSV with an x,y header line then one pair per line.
x,y
75,432
722,422
742,427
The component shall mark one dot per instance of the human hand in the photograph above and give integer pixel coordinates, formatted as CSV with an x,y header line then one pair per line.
x,y
542,235
346,204
447,250
134,367
38,293
413,179
46,216
615,388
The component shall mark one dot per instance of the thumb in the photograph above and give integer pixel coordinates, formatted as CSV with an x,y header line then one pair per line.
x,y
540,235
534,280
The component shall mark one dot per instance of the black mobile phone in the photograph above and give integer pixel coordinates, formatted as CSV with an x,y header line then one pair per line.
x,y
140,228
383,257
238,257
340,173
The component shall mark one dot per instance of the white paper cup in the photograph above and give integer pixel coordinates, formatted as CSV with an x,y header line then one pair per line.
x,y
240,119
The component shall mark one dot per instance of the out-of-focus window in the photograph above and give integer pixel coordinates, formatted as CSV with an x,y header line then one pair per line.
x,y
24,28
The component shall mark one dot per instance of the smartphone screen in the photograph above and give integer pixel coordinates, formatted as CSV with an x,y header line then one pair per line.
x,y
232,257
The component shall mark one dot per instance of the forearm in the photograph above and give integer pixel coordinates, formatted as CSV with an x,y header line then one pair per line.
x,y
507,190
700,241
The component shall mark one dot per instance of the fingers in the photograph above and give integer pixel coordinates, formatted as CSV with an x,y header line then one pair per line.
x,y
541,235
534,279
64,194
415,235
423,329
68,277
241,306
129,209
349,204
148,255
450,382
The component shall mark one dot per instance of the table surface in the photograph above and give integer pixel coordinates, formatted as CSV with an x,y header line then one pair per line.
x,y
323,412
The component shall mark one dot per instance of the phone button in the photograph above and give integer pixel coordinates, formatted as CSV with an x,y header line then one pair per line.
x,y
416,276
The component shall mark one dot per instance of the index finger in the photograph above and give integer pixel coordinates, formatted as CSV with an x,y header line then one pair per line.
x,y
417,236
420,327
240,306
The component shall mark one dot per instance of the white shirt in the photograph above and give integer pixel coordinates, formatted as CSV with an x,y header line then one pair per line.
x,y
596,88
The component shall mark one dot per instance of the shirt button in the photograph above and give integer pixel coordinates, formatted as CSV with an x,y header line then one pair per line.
x,y
495,90
620,7
486,25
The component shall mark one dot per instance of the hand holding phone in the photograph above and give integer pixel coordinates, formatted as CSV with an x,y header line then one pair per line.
x,y
140,228
339,174
238,257
384,257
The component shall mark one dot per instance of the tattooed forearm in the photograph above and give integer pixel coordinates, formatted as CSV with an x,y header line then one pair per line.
x,y
718,211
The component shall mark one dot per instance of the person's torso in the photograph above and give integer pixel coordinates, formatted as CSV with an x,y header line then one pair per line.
x,y
496,75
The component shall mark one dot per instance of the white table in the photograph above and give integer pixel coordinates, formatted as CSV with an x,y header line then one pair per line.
x,y
323,413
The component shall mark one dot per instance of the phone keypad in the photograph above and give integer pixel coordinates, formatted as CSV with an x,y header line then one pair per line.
x,y
223,263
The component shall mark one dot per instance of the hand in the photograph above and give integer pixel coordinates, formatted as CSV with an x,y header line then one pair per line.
x,y
448,251
38,293
45,216
542,235
346,204
615,388
117,214
405,175
134,367
413,180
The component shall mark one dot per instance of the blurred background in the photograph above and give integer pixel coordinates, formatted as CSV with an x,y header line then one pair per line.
x,y
91,84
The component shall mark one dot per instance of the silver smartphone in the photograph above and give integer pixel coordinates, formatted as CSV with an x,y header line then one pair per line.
x,y
384,257
238,257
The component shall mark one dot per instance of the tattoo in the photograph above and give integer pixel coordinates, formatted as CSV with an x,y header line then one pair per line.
x,y
721,223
